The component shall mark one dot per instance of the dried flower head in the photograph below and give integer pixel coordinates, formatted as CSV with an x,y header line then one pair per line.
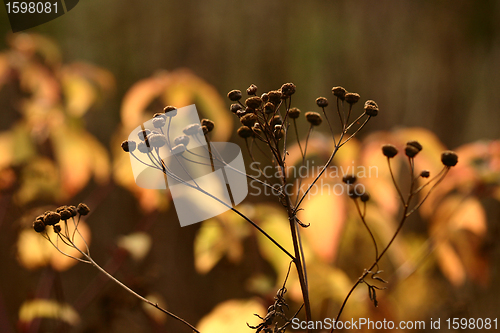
x,y
264,97
144,147
274,96
245,132
294,113
83,209
253,102
143,134
72,210
411,151
249,119
234,95
235,107
51,218
179,149
183,139
288,89
65,214
157,140
252,90
208,123
415,144
128,146
276,120
159,122
449,158
314,118
371,108
425,174
352,98
322,102
339,92
57,228
365,197
389,150
192,129
269,108
170,111
39,226
349,179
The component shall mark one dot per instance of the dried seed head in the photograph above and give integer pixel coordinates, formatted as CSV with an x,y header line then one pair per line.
x,y
288,89
389,150
51,218
235,107
365,197
241,113
82,209
293,113
72,210
449,158
161,115
144,147
278,132
274,96
57,228
339,92
252,90
322,102
314,118
179,149
249,119
265,97
143,134
371,108
351,98
352,193
276,120
234,95
257,129
245,132
415,144
253,102
269,108
204,129
128,146
349,179
38,226
170,111
425,174
208,123
411,151
40,218
192,129
159,122
183,139
65,214
157,140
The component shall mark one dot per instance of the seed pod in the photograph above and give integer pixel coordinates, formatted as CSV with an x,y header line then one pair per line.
x,y
365,197
65,214
40,218
72,210
234,95
411,151
245,132
253,102
208,123
274,96
257,129
179,149
144,147
389,150
249,119
51,218
83,209
143,134
278,132
128,146
293,113
322,102
314,118
235,107
160,115
415,144
157,140
425,174
371,108
349,179
276,120
240,113
264,97
252,90
204,129
449,158
269,108
38,226
170,111
288,89
339,92
192,129
159,122
352,193
57,228
183,139
352,98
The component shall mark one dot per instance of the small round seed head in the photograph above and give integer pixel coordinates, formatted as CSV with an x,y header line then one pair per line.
x,y
157,140
294,113
274,96
249,119
265,97
245,132
65,214
339,92
205,130
183,139
449,158
38,226
179,149
208,123
269,108
365,197
351,98
425,174
161,115
235,107
159,122
143,134
40,218
276,120
278,131
57,228
128,146
288,89
253,102
411,151
241,113
257,129
51,218
192,129
82,209
322,102
314,118
249,110
371,108
349,179
58,210
144,147
170,111
389,150
415,144
252,90
234,95
72,210
352,193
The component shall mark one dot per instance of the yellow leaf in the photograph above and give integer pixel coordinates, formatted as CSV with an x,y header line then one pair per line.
x,y
79,94
137,244
49,309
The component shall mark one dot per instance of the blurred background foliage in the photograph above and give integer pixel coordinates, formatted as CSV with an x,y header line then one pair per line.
x,y
73,89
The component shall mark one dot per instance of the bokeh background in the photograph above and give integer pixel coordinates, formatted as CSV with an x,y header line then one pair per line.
x,y
428,64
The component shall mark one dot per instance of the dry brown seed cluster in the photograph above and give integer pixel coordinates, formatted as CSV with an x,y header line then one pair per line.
x,y
63,213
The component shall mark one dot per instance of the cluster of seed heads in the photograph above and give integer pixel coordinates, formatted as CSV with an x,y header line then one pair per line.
x,y
448,158
63,213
